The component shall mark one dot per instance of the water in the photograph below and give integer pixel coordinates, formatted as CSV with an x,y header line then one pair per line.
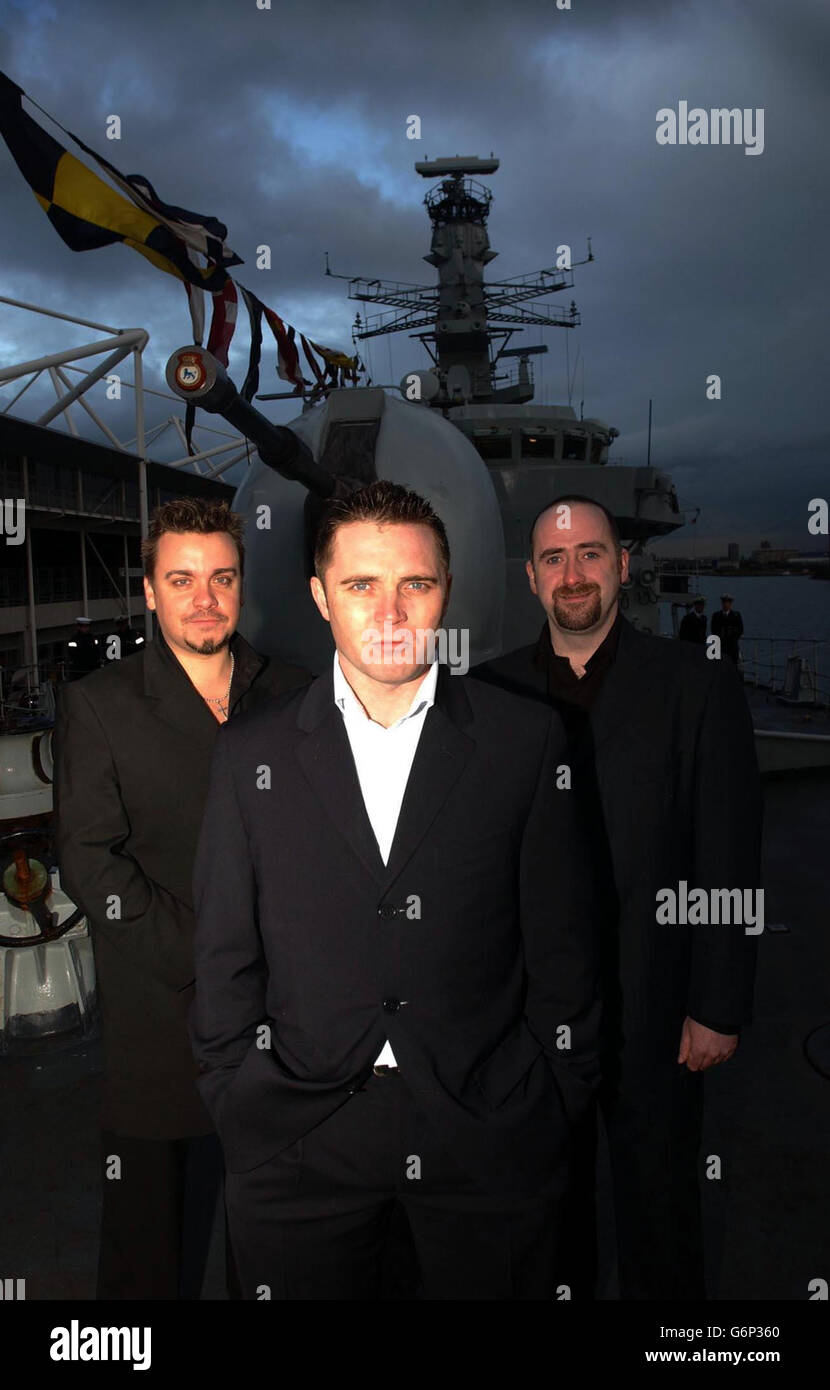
x,y
778,606
792,610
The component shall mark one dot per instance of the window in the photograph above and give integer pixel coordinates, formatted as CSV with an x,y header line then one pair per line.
x,y
493,446
52,485
11,477
131,498
101,493
573,448
537,444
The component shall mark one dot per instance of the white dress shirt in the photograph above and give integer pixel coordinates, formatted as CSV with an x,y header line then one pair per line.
x,y
383,759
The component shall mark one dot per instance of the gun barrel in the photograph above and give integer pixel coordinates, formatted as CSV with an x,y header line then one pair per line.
x,y
195,375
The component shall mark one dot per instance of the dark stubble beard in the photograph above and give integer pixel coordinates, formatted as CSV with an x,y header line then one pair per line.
x,y
578,617
208,645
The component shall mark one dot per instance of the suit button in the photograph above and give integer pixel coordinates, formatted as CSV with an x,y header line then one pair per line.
x,y
391,1006
387,911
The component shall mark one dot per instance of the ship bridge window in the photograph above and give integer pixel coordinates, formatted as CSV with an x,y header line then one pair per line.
x,y
537,444
597,446
573,447
492,446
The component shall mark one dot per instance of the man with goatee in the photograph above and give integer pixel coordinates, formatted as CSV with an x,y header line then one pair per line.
x,y
663,757
133,748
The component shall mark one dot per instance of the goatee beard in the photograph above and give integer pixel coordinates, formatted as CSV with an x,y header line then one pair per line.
x,y
578,617
208,645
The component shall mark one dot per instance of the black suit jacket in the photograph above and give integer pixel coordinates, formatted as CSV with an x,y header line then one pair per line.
x,y
132,754
469,950
729,628
693,628
676,796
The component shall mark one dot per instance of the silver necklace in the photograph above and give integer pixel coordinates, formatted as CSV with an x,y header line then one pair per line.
x,y
222,701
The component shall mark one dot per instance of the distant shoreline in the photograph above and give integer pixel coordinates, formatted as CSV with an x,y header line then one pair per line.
x,y
818,573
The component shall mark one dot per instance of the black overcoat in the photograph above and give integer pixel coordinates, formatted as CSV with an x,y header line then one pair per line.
x,y
676,797
132,747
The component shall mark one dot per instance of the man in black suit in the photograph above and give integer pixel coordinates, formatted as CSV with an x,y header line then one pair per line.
x,y
395,963
675,801
133,744
728,625
693,624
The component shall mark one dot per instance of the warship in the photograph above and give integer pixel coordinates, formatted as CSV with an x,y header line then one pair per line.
x,y
464,431
485,387
513,456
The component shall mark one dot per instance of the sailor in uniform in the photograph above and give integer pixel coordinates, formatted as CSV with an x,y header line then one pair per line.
x,y
129,640
83,653
728,626
693,626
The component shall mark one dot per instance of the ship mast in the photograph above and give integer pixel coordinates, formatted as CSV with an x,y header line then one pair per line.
x,y
467,322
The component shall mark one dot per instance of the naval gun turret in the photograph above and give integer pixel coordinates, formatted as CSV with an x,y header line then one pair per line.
x,y
358,435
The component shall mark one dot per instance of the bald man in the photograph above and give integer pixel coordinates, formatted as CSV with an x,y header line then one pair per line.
x,y
663,756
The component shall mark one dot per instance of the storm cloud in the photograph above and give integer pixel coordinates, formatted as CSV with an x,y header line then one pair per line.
x,y
289,123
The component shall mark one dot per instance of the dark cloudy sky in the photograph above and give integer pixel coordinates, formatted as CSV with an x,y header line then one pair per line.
x,y
289,124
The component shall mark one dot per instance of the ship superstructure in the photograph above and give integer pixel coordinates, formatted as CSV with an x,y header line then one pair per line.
x,y
485,387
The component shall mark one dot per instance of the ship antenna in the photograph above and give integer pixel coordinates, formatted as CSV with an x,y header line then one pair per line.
x,y
576,368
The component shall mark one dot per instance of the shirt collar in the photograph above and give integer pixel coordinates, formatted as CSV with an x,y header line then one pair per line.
x,y
247,662
607,649
348,703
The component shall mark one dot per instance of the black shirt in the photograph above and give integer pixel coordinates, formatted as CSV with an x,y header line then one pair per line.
x,y
574,696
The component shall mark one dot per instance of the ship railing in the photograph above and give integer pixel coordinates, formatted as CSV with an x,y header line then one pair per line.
x,y
798,667
25,702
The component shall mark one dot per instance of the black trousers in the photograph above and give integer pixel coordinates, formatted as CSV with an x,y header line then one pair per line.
x,y
157,1216
312,1222
653,1115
